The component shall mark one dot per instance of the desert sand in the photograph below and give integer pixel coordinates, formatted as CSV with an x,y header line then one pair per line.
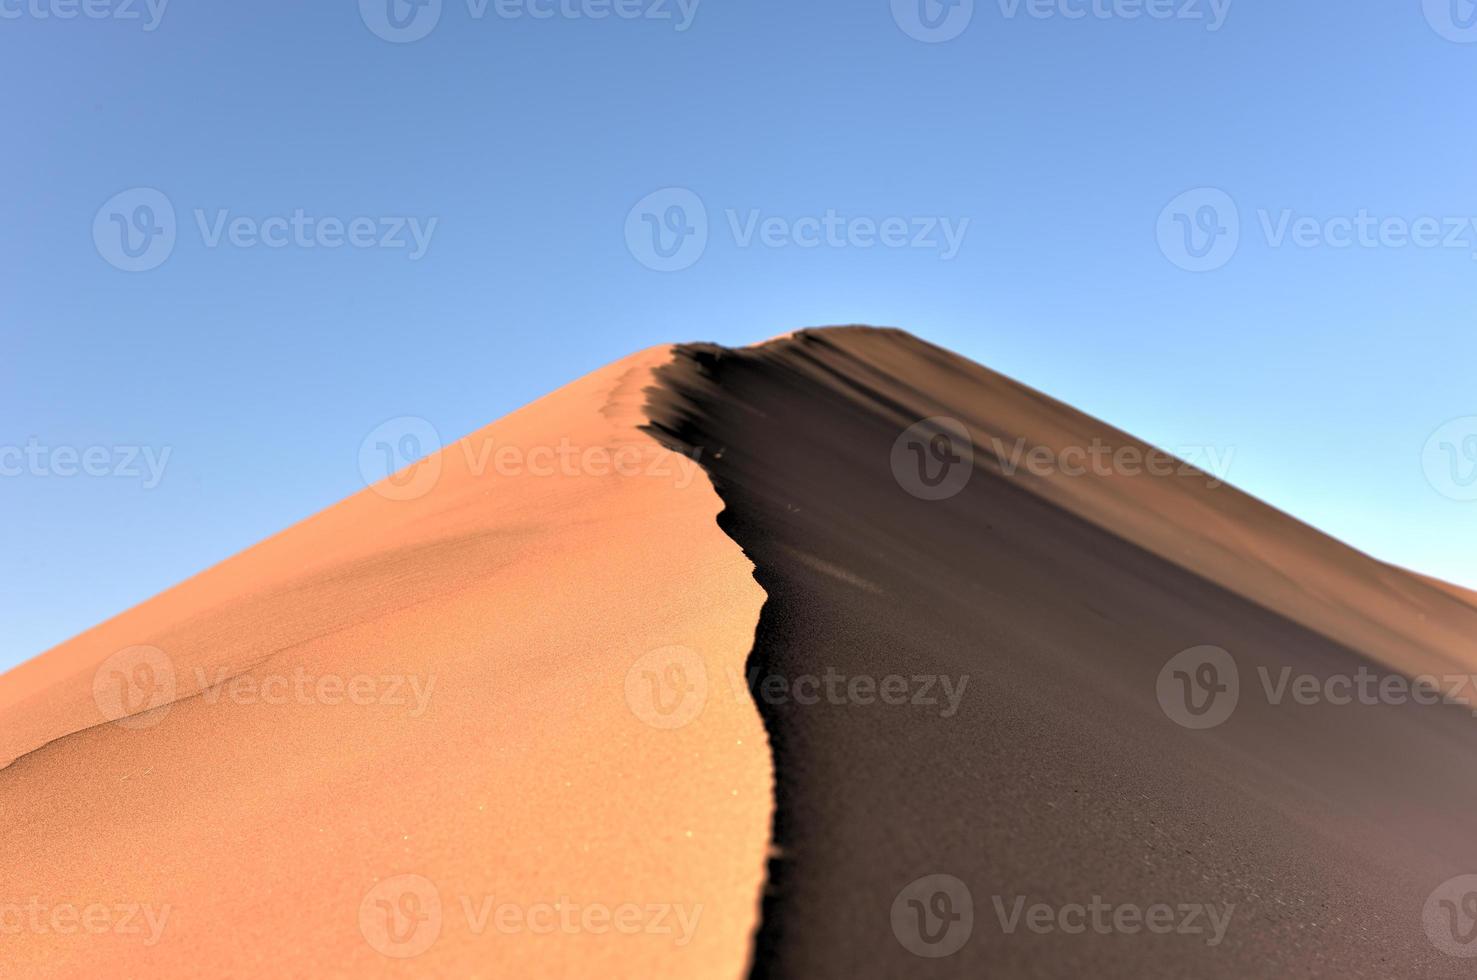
x,y
1050,604
807,693
493,758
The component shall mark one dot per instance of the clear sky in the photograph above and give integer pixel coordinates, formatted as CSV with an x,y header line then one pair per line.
x,y
181,271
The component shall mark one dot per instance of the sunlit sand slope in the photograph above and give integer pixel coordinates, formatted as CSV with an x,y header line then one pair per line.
x,y
473,721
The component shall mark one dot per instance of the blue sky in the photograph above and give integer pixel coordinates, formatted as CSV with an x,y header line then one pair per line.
x,y
1243,225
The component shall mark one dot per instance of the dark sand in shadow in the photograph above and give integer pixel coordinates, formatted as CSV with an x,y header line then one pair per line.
x,y
1057,775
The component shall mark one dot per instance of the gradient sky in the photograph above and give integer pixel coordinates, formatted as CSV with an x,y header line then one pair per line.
x,y
1324,356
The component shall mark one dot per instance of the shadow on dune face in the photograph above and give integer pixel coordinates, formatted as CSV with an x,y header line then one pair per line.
x,y
966,683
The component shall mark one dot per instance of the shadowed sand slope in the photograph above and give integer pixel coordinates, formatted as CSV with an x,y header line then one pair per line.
x,y
987,763
412,736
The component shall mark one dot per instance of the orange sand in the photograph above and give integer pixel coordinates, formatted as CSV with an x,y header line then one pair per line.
x,y
255,830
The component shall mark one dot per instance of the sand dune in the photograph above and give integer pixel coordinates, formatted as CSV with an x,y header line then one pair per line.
x,y
1031,753
433,682
1465,595
1000,708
